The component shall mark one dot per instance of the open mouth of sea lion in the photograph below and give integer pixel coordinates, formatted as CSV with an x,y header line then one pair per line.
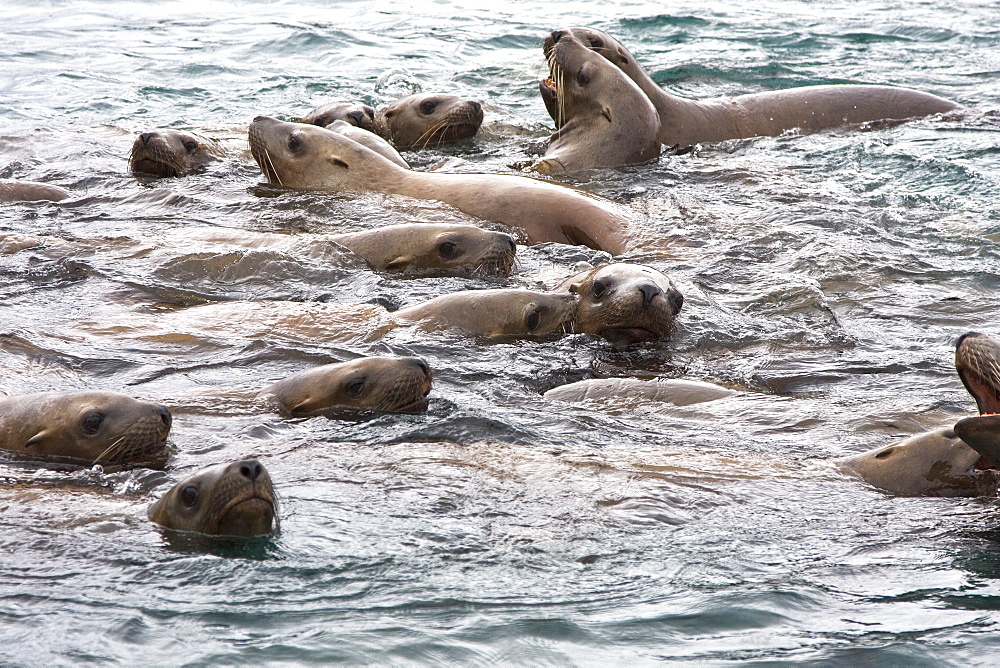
x,y
253,516
622,336
151,167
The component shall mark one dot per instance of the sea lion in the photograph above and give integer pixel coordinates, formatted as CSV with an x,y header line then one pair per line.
x,y
437,249
91,426
369,139
296,155
422,121
603,119
494,314
164,153
30,191
675,391
624,303
355,113
235,499
941,462
977,358
385,384
685,122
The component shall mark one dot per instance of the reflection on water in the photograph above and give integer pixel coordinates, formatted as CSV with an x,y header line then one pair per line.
x,y
827,276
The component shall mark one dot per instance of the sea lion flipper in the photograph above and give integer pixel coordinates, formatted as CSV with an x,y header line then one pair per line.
x,y
982,434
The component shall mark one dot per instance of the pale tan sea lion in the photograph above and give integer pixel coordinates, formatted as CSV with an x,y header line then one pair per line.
x,y
495,314
384,384
164,153
603,119
422,121
91,426
438,249
675,391
302,156
30,191
355,113
624,303
941,463
685,122
369,139
235,499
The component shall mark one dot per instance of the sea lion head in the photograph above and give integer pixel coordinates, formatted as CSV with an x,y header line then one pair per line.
x,y
164,153
235,499
496,314
977,360
599,42
624,303
389,384
430,248
602,117
92,426
421,121
357,114
296,155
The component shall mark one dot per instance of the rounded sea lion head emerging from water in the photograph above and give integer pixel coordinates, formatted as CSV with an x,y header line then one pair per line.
x,y
495,314
624,303
89,426
356,113
235,499
389,384
422,121
603,118
432,248
164,153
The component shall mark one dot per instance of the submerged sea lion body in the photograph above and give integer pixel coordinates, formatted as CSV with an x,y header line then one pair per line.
x,y
422,121
234,499
166,153
408,248
603,118
303,156
356,113
675,391
30,191
494,314
685,122
90,426
389,384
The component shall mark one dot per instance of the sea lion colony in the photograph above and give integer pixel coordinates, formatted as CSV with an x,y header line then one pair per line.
x,y
607,112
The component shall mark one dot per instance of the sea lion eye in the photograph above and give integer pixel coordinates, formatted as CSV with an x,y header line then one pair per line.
x,y
582,78
294,143
428,106
190,146
447,249
600,287
534,318
355,388
91,423
189,495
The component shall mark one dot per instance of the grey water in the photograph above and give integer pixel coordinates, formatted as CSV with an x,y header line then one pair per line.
x,y
829,275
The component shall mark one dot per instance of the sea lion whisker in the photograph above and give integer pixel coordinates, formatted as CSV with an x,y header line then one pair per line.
x,y
270,166
429,133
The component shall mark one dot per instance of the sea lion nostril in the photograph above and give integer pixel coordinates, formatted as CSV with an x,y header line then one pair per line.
x,y
649,291
251,469
166,418
146,136
422,365
558,35
356,117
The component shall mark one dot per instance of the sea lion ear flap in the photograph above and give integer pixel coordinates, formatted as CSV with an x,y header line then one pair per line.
x,y
36,439
575,282
398,263
336,160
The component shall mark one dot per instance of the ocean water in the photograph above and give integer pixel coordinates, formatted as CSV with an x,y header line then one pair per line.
x,y
827,274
